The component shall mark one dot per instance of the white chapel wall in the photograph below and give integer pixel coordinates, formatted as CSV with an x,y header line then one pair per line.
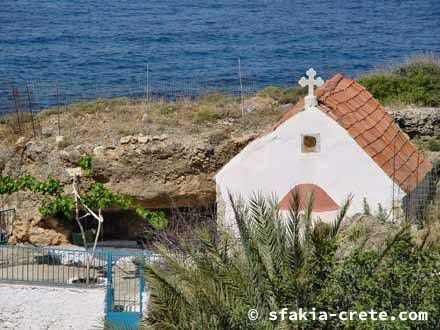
x,y
274,164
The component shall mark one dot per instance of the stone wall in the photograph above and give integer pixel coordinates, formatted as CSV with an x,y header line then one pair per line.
x,y
418,122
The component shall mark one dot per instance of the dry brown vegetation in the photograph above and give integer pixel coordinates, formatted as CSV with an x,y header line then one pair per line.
x,y
111,119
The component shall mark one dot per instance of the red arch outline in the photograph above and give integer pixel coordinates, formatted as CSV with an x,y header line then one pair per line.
x,y
322,202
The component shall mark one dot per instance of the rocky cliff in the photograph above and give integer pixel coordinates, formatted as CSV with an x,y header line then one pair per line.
x,y
158,171
164,155
418,122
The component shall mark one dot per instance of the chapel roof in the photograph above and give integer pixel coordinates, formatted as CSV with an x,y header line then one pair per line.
x,y
374,130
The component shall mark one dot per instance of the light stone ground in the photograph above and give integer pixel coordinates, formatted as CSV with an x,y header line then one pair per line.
x,y
51,308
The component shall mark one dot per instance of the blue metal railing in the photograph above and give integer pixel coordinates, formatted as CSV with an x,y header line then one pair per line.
x,y
52,266
120,273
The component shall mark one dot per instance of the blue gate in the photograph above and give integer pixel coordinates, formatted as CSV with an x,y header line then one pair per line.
x,y
122,274
125,288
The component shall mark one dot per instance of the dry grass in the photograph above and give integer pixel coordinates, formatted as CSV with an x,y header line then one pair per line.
x,y
12,126
389,69
104,119
375,232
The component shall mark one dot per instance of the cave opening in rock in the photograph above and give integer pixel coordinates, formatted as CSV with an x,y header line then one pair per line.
x,y
124,228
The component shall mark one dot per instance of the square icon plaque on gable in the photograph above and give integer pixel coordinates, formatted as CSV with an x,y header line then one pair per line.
x,y
310,143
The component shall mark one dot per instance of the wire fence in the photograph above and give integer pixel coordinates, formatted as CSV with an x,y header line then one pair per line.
x,y
23,100
34,96
423,203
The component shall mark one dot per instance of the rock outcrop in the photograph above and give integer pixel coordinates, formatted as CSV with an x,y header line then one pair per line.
x,y
157,171
258,103
159,165
164,172
418,122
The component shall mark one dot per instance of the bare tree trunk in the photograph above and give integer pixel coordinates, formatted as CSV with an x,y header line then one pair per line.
x,y
81,228
100,221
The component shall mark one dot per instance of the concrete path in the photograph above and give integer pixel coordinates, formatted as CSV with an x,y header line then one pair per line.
x,y
52,308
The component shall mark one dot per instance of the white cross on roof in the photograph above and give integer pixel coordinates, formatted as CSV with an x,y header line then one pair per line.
x,y
311,82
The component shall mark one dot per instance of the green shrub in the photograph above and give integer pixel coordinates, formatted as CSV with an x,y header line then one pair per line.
x,y
274,264
50,187
433,144
86,164
283,95
88,107
213,98
414,83
157,219
168,108
366,207
357,231
382,214
395,280
62,207
205,114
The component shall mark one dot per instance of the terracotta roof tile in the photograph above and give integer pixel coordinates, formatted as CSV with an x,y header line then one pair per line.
x,y
402,175
341,97
384,124
382,160
377,115
344,109
361,141
348,120
365,97
355,103
391,133
378,146
344,83
369,134
399,163
413,161
407,152
370,106
332,103
367,122
360,114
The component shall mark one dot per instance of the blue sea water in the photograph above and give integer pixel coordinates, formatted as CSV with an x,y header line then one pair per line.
x,y
106,45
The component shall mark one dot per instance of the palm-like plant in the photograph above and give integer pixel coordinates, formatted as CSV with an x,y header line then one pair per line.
x,y
276,259
280,262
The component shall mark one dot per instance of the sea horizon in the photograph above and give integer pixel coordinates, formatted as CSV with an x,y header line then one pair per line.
x,y
113,49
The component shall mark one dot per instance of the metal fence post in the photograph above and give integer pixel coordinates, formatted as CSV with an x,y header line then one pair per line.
x,y
141,285
109,293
